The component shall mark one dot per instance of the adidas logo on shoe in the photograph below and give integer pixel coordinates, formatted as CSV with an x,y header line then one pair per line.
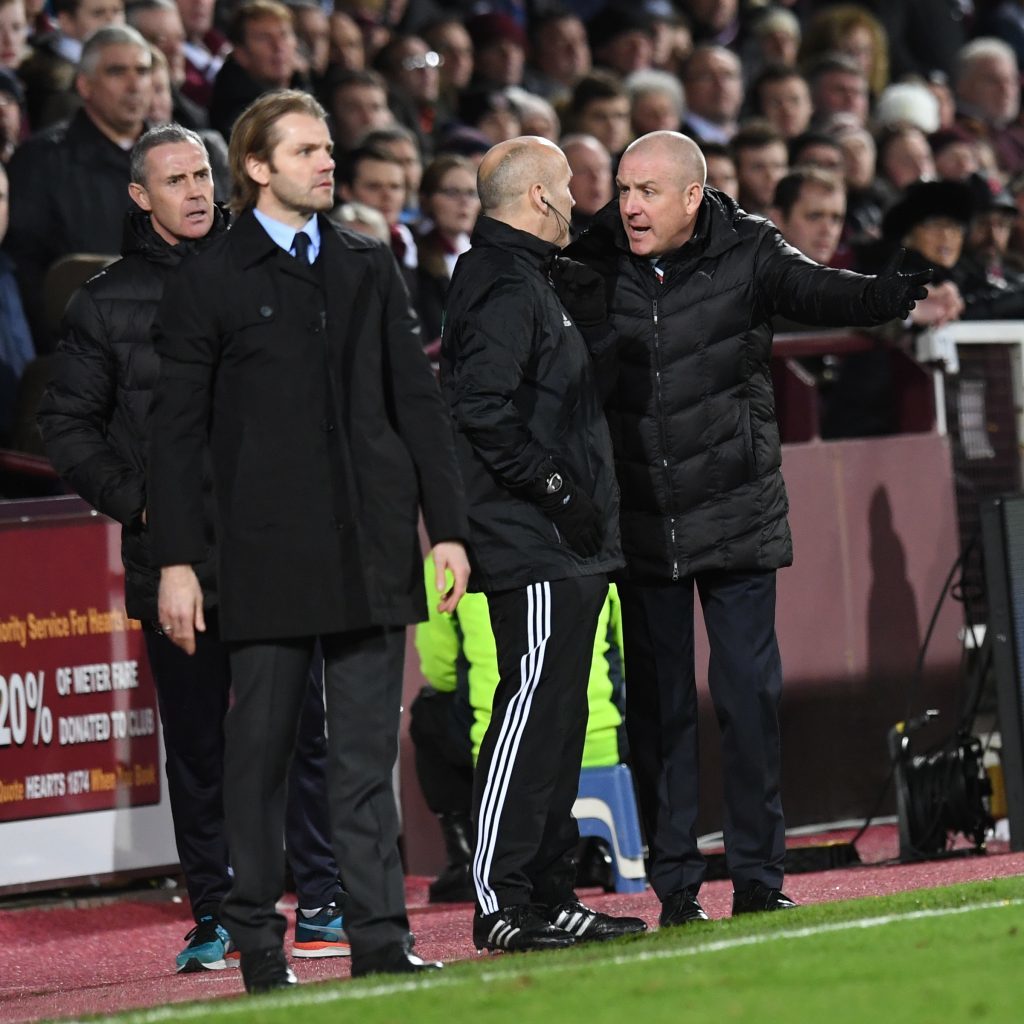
x,y
517,929
587,925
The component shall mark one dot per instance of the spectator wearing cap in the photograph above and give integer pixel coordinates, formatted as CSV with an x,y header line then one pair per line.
x,y
992,288
838,86
12,121
622,38
713,80
656,101
499,50
600,107
930,222
910,103
987,86
592,182
559,55
412,71
358,103
780,94
264,57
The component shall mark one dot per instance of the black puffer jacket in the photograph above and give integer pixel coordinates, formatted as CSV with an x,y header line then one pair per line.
x,y
517,377
94,414
692,411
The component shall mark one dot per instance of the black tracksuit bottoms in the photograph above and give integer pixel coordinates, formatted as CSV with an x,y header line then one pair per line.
x,y
527,774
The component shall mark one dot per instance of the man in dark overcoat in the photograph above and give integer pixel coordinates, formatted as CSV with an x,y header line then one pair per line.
x,y
290,344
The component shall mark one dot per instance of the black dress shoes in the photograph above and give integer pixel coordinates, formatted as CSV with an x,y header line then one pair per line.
x,y
393,959
266,970
757,897
681,907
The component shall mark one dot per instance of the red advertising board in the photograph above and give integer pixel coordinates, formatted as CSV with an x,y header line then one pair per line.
x,y
78,711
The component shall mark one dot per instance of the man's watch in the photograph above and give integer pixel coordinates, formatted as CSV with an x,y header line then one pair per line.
x,y
553,483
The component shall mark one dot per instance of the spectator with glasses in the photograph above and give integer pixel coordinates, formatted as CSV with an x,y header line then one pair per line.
x,y
448,197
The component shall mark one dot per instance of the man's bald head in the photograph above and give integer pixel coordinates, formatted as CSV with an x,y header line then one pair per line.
x,y
679,150
661,187
509,171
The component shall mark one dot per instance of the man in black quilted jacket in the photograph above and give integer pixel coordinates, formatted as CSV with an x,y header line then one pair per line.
x,y
536,460
94,421
692,283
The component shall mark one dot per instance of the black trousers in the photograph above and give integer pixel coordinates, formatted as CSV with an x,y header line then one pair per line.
x,y
363,689
745,680
193,693
444,753
527,774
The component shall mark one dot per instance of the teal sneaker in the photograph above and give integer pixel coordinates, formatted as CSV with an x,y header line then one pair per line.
x,y
209,948
321,935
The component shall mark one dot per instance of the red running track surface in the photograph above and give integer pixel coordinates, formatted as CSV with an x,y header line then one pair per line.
x,y
104,955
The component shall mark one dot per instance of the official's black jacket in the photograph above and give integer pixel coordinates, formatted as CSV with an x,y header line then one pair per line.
x,y
517,377
692,410
326,429
94,414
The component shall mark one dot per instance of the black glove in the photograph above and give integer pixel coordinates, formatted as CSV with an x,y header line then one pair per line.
x,y
892,295
581,291
575,516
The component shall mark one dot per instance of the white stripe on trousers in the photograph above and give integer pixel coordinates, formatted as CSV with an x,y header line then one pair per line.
x,y
538,630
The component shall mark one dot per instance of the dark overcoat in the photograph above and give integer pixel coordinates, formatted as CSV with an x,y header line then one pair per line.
x,y
326,427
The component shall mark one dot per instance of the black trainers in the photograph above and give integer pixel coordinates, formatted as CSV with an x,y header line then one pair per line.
x,y
681,907
517,929
391,959
757,897
587,925
266,970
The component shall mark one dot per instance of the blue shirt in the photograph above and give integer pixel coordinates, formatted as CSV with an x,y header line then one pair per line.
x,y
284,234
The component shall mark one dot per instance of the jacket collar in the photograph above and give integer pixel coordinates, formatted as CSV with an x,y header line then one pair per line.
x,y
713,234
491,232
252,244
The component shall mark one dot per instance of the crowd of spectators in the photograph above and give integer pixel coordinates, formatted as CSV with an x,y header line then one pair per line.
x,y
909,113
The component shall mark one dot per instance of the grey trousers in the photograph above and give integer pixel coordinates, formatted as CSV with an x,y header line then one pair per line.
x,y
362,691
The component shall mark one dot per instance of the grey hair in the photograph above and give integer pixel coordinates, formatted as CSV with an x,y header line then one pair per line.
x,y
651,80
978,49
111,35
163,135
136,7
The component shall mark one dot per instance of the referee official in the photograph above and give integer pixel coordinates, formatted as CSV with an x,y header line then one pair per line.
x,y
536,458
